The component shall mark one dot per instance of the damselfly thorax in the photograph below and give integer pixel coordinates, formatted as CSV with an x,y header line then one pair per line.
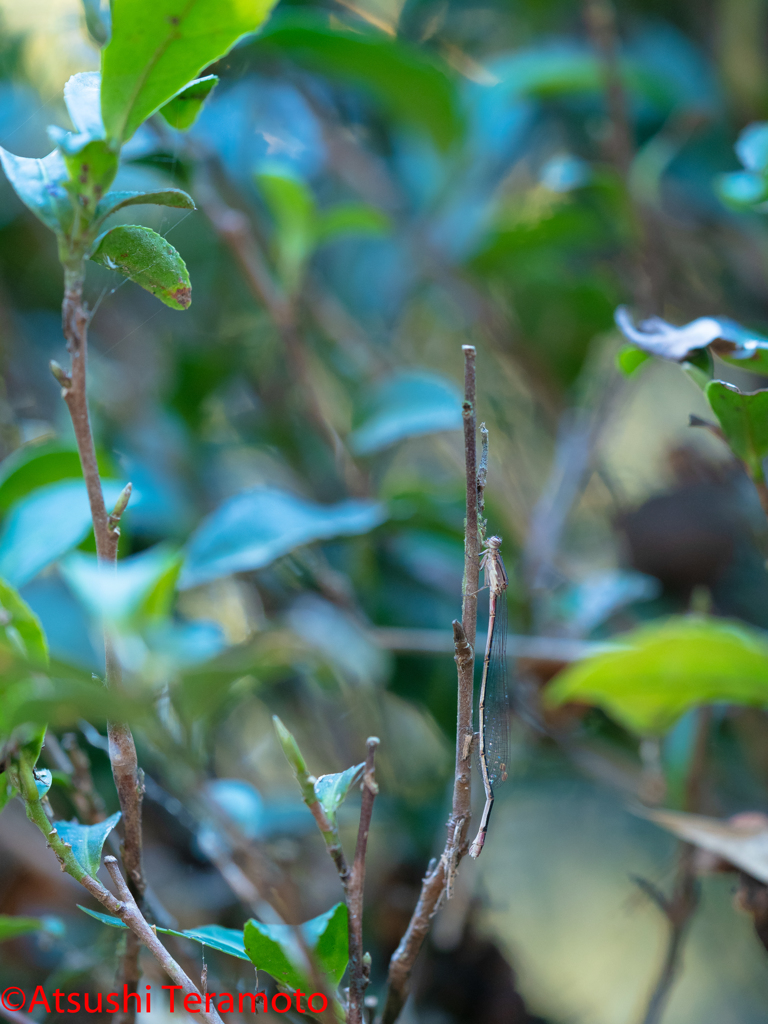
x,y
494,574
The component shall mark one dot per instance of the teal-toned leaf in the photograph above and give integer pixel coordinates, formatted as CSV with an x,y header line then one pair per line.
x,y
114,201
39,184
752,146
20,629
293,210
699,367
413,87
629,359
729,340
44,525
118,593
331,790
82,97
97,21
43,781
159,46
38,463
87,841
226,940
144,257
241,802
273,948
184,109
664,669
255,527
743,415
742,189
351,219
404,405
10,926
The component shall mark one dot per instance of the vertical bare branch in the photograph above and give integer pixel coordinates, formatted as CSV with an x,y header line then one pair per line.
x,y
122,749
359,968
438,881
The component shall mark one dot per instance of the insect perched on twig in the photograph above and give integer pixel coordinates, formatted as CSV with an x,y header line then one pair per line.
x,y
494,726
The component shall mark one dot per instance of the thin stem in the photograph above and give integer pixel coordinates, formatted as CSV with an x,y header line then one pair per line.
x,y
681,906
438,882
123,907
359,967
122,749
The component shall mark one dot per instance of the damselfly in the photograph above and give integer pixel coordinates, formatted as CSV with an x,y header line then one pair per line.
x,y
492,708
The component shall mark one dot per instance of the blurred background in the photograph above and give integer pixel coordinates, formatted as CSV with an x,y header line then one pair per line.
x,y
379,182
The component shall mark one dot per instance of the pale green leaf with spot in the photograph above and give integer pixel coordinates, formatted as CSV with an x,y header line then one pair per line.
x,y
331,790
145,258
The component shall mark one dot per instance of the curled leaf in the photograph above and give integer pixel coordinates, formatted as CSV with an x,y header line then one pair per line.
x,y
183,110
144,257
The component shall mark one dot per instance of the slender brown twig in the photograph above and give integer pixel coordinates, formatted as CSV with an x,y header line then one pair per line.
x,y
438,881
122,749
359,966
681,906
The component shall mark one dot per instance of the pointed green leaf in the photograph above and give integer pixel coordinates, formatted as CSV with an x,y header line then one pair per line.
x,y
666,668
743,415
292,206
11,926
331,790
629,359
87,841
39,184
407,404
159,46
183,110
328,935
115,201
36,464
273,948
117,593
113,922
91,167
143,256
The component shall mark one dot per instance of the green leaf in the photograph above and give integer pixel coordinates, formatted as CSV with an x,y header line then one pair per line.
x,y
255,527
10,926
87,841
752,146
91,167
159,46
741,189
666,668
183,110
351,219
403,78
44,525
97,21
40,185
21,631
38,463
214,936
143,256
629,359
293,209
115,201
407,404
331,790
743,415
273,948
117,593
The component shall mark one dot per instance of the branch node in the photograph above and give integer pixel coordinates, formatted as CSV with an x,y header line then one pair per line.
x,y
61,376
113,520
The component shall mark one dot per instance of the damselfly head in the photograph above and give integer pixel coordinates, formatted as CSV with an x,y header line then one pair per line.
x,y
494,543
